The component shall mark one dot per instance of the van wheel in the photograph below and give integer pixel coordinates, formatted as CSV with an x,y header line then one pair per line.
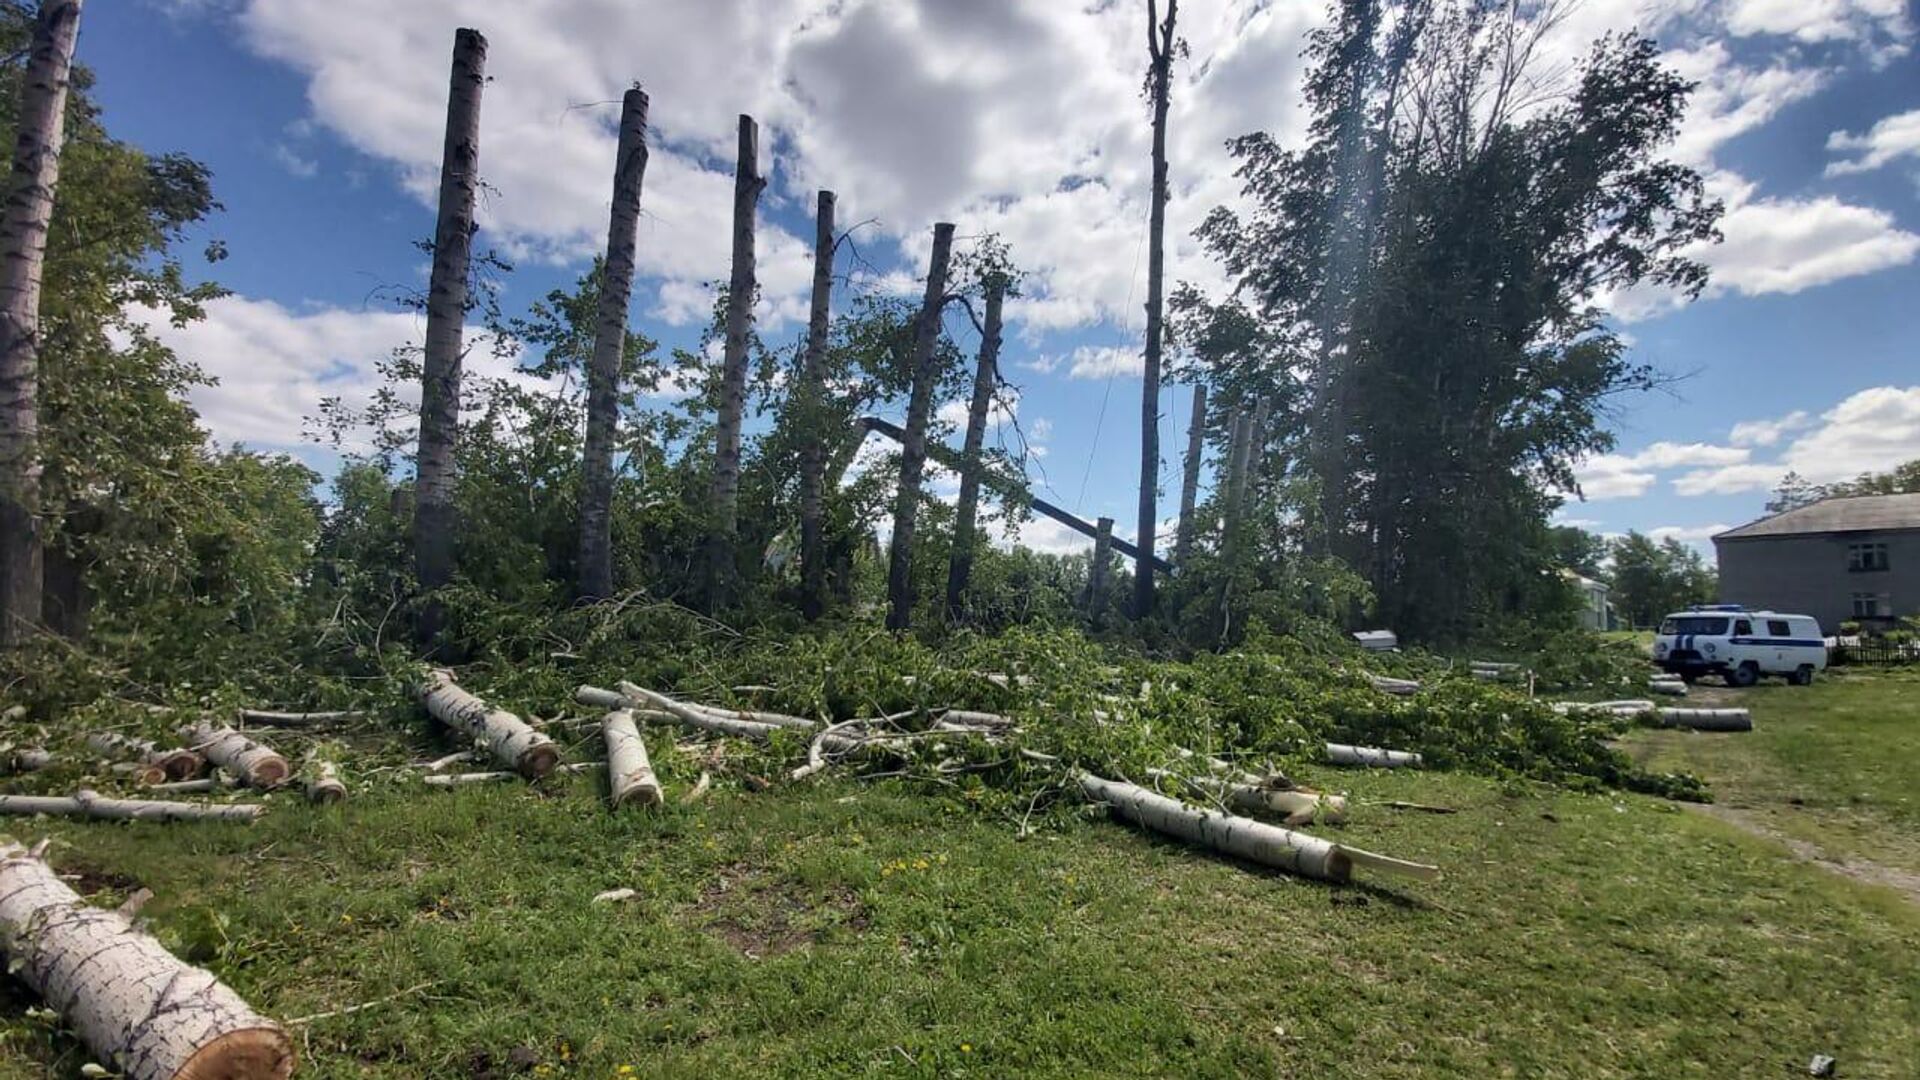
x,y
1802,675
1745,675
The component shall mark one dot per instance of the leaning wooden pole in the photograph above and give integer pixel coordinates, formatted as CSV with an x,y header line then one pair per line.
x,y
434,524
1161,45
506,736
966,511
913,451
134,1004
609,348
810,395
724,491
1190,474
630,775
23,250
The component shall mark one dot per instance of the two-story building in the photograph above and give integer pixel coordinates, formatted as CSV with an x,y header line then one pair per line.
x,y
1855,558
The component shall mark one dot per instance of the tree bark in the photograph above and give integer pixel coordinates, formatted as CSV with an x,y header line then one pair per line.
x,y
1707,719
913,452
629,774
1245,838
323,782
178,763
1190,474
609,348
1370,756
505,735
691,717
255,765
724,495
91,804
1160,48
810,395
1097,569
23,250
134,1003
434,523
966,513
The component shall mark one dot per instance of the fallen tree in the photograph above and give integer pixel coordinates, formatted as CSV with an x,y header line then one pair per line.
x,y
511,741
1371,757
132,1002
254,764
91,804
630,775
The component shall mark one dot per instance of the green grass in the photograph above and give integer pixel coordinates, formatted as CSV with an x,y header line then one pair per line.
x,y
850,930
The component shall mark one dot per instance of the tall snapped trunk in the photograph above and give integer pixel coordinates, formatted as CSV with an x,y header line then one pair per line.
x,y
609,346
1160,49
810,394
724,497
23,251
434,526
1190,474
985,375
913,453
1099,567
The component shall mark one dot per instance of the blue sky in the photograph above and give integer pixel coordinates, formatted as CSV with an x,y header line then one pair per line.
x,y
321,124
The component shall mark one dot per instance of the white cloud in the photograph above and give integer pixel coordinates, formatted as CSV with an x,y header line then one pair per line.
x,y
1884,21
1104,361
1787,245
1869,431
1768,432
1687,534
289,159
1613,476
1893,137
1667,455
1730,480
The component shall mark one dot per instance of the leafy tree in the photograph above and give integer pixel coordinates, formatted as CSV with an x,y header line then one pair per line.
x,y
1651,579
1580,551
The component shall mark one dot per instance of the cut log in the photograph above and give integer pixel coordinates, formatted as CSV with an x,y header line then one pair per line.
x,y
266,718
1674,687
324,784
629,774
139,772
506,736
24,759
1371,757
178,763
255,764
1706,719
638,695
1399,687
133,1003
91,804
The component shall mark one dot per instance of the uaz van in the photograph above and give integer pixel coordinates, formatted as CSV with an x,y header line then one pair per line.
x,y
1740,645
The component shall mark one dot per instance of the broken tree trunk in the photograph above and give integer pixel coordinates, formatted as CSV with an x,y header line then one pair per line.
x,y
1246,792
434,525
323,782
810,395
91,804
1706,719
1190,474
629,774
1161,45
966,511
506,736
134,1003
254,764
1099,565
178,763
609,347
913,448
1371,757
724,491
23,249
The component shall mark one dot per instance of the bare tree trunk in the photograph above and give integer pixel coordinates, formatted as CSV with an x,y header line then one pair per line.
x,y
434,526
966,513
134,1004
809,394
23,250
913,453
724,498
1098,568
609,348
1190,474
1160,49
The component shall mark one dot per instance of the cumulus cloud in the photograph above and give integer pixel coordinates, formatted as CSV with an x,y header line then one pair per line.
x,y
1104,361
1883,22
1896,136
1626,476
1769,432
1869,431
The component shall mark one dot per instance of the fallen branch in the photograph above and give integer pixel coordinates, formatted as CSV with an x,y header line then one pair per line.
x,y
1295,805
134,1003
255,764
506,736
459,779
753,716
218,782
816,750
638,695
300,1021
91,804
1664,686
698,791
266,718
178,763
1425,808
629,774
1399,687
1371,757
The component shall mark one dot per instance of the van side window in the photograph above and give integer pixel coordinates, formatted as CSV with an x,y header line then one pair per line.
x,y
1742,627
1779,628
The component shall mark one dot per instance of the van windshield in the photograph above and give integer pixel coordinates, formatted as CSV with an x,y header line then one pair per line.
x,y
1694,624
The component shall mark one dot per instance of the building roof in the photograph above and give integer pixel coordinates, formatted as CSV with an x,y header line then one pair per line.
x,y
1853,513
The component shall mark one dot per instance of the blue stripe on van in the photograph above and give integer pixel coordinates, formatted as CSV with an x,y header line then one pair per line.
x,y
1810,643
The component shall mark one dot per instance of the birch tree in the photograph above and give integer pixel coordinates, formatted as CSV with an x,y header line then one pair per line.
x,y
913,454
23,247
813,548
996,279
724,494
434,523
1160,49
609,345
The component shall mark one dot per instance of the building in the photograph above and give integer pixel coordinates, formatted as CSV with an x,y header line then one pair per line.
x,y
1854,558
1594,608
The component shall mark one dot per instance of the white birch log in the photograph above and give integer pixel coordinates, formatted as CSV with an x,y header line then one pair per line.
x,y
1295,805
139,772
24,759
598,698
91,804
1629,708
639,695
217,782
1675,687
324,784
255,764
179,763
969,718
1399,687
133,1003
1371,757
1707,719
630,775
754,716
506,736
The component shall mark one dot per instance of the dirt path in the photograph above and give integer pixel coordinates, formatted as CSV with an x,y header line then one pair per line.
x,y
1905,882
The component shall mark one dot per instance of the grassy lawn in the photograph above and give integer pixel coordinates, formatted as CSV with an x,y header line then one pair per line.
x,y
851,930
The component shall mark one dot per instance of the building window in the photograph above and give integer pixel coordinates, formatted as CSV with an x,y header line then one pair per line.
x,y
1868,605
1862,558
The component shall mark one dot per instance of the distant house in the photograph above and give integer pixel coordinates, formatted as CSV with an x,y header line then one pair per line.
x,y
1854,558
1593,601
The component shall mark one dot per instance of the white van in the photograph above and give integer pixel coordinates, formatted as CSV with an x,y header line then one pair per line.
x,y
1740,645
